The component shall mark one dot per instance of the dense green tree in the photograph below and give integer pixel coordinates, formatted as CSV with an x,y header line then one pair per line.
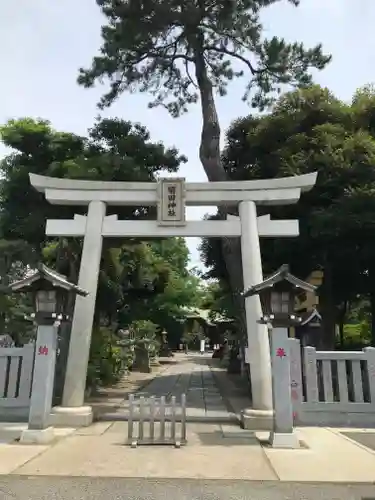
x,y
307,131
115,150
217,299
352,219
15,255
188,50
157,286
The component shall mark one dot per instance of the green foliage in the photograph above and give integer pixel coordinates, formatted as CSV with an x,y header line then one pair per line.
x,y
307,131
161,264
14,256
139,280
105,363
356,336
217,296
177,50
143,331
115,150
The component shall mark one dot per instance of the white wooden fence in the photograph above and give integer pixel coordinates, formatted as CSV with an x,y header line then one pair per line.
x,y
166,421
16,368
332,387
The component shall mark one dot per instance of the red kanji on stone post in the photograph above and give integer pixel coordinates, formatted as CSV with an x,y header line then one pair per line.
x,y
43,350
280,352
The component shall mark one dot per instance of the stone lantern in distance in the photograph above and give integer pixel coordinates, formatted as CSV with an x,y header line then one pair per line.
x,y
277,295
50,291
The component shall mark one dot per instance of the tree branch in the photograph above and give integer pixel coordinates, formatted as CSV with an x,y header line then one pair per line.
x,y
188,74
222,50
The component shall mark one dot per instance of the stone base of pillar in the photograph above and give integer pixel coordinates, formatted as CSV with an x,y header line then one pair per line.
x,y
64,416
37,436
287,440
257,420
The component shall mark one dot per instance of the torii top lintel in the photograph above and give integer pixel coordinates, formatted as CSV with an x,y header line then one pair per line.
x,y
281,191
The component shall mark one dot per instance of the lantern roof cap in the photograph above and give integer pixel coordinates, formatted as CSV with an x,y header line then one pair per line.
x,y
42,272
282,274
309,316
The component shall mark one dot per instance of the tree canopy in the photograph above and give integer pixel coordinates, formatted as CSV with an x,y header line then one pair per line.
x,y
139,280
173,49
115,150
311,130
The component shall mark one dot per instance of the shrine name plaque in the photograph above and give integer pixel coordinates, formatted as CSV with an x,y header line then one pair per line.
x,y
171,202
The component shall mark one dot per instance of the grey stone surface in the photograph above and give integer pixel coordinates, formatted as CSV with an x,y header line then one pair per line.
x,y
364,438
282,400
257,338
80,339
43,377
191,375
76,488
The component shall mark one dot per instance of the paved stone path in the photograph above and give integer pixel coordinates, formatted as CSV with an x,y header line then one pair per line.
x,y
190,375
47,488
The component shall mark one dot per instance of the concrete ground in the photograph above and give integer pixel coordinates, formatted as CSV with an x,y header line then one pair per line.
x,y
48,488
214,451
217,448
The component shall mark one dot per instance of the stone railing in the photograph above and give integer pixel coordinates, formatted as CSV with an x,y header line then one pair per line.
x,y
16,368
332,387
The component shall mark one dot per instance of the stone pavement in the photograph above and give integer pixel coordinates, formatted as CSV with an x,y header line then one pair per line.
x,y
213,451
193,375
217,449
48,488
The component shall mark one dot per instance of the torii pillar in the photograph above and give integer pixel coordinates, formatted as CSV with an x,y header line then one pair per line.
x,y
260,416
72,412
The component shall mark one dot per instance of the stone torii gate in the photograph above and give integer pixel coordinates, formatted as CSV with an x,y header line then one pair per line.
x,y
171,196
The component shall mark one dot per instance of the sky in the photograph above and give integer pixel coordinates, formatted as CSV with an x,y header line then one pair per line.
x,y
44,42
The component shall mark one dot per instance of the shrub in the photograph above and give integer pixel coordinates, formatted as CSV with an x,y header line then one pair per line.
x,y
106,363
356,336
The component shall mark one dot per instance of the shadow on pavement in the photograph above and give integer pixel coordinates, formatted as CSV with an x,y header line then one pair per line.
x,y
364,438
217,438
168,361
197,359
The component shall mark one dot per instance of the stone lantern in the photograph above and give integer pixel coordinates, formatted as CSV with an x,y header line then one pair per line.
x,y
50,292
277,295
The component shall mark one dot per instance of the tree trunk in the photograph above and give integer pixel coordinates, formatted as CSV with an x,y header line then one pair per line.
x,y
372,312
328,311
372,302
210,157
4,281
341,321
341,332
